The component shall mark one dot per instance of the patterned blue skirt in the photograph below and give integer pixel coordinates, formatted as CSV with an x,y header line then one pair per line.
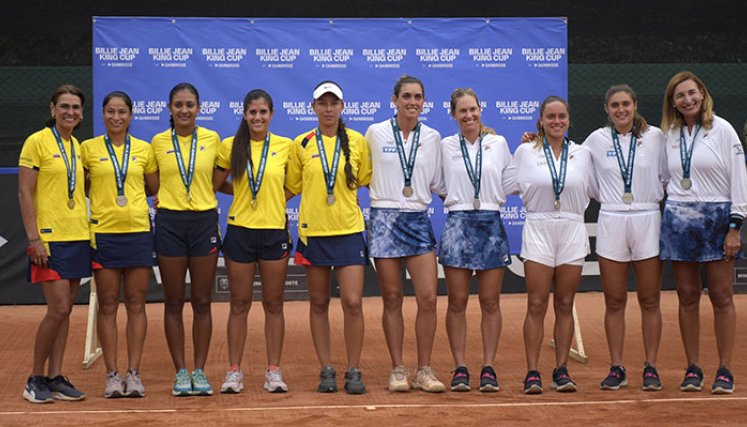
x,y
694,231
475,240
396,234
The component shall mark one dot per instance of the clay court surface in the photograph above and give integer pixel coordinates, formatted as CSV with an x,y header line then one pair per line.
x,y
304,406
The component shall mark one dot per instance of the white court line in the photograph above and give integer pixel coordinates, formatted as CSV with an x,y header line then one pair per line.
x,y
373,406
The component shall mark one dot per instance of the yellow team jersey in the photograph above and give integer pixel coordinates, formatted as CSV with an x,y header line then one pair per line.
x,y
56,222
306,176
172,194
270,210
106,215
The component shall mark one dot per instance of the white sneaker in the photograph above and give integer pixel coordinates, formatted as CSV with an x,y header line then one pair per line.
x,y
234,382
274,381
398,379
134,385
426,380
114,385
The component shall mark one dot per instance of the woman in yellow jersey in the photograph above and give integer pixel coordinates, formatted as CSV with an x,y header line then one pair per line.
x,y
257,233
187,232
119,166
53,206
328,165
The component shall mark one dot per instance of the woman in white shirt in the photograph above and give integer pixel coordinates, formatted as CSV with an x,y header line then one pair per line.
x,y
406,160
629,163
707,201
474,239
554,178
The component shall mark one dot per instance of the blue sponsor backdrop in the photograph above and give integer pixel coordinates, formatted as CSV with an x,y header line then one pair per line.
x,y
512,64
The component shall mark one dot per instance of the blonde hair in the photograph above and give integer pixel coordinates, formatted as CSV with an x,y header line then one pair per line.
x,y
540,130
460,92
671,117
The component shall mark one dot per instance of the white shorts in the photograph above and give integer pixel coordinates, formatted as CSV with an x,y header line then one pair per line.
x,y
554,241
628,236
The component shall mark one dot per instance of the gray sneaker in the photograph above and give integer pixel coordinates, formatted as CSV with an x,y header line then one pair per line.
x,y
327,380
133,384
114,385
353,382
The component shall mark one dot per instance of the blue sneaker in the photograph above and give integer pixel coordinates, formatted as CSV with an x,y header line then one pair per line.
x,y
37,391
615,379
460,379
651,380
561,380
200,384
693,379
724,382
62,389
182,384
533,383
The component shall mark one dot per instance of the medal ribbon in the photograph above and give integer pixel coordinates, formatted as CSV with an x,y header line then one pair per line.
x,y
558,182
686,156
120,173
70,165
475,174
407,164
255,184
186,175
329,176
625,170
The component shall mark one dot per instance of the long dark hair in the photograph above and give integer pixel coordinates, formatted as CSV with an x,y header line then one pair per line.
x,y
241,152
407,80
62,90
189,87
350,179
640,125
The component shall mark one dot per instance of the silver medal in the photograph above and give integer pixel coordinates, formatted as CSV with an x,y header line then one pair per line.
x,y
557,204
476,203
686,183
121,201
331,199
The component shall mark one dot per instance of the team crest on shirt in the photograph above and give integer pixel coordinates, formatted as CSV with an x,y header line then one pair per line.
x,y
284,246
213,240
274,153
202,148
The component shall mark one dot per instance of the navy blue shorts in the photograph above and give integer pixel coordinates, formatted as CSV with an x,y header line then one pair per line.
x,y
474,240
349,249
123,250
187,233
250,245
67,260
396,234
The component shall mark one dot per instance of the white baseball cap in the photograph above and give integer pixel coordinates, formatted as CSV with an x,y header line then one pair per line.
x,y
327,87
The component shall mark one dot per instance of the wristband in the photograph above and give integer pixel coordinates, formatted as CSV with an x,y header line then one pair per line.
x,y
735,223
